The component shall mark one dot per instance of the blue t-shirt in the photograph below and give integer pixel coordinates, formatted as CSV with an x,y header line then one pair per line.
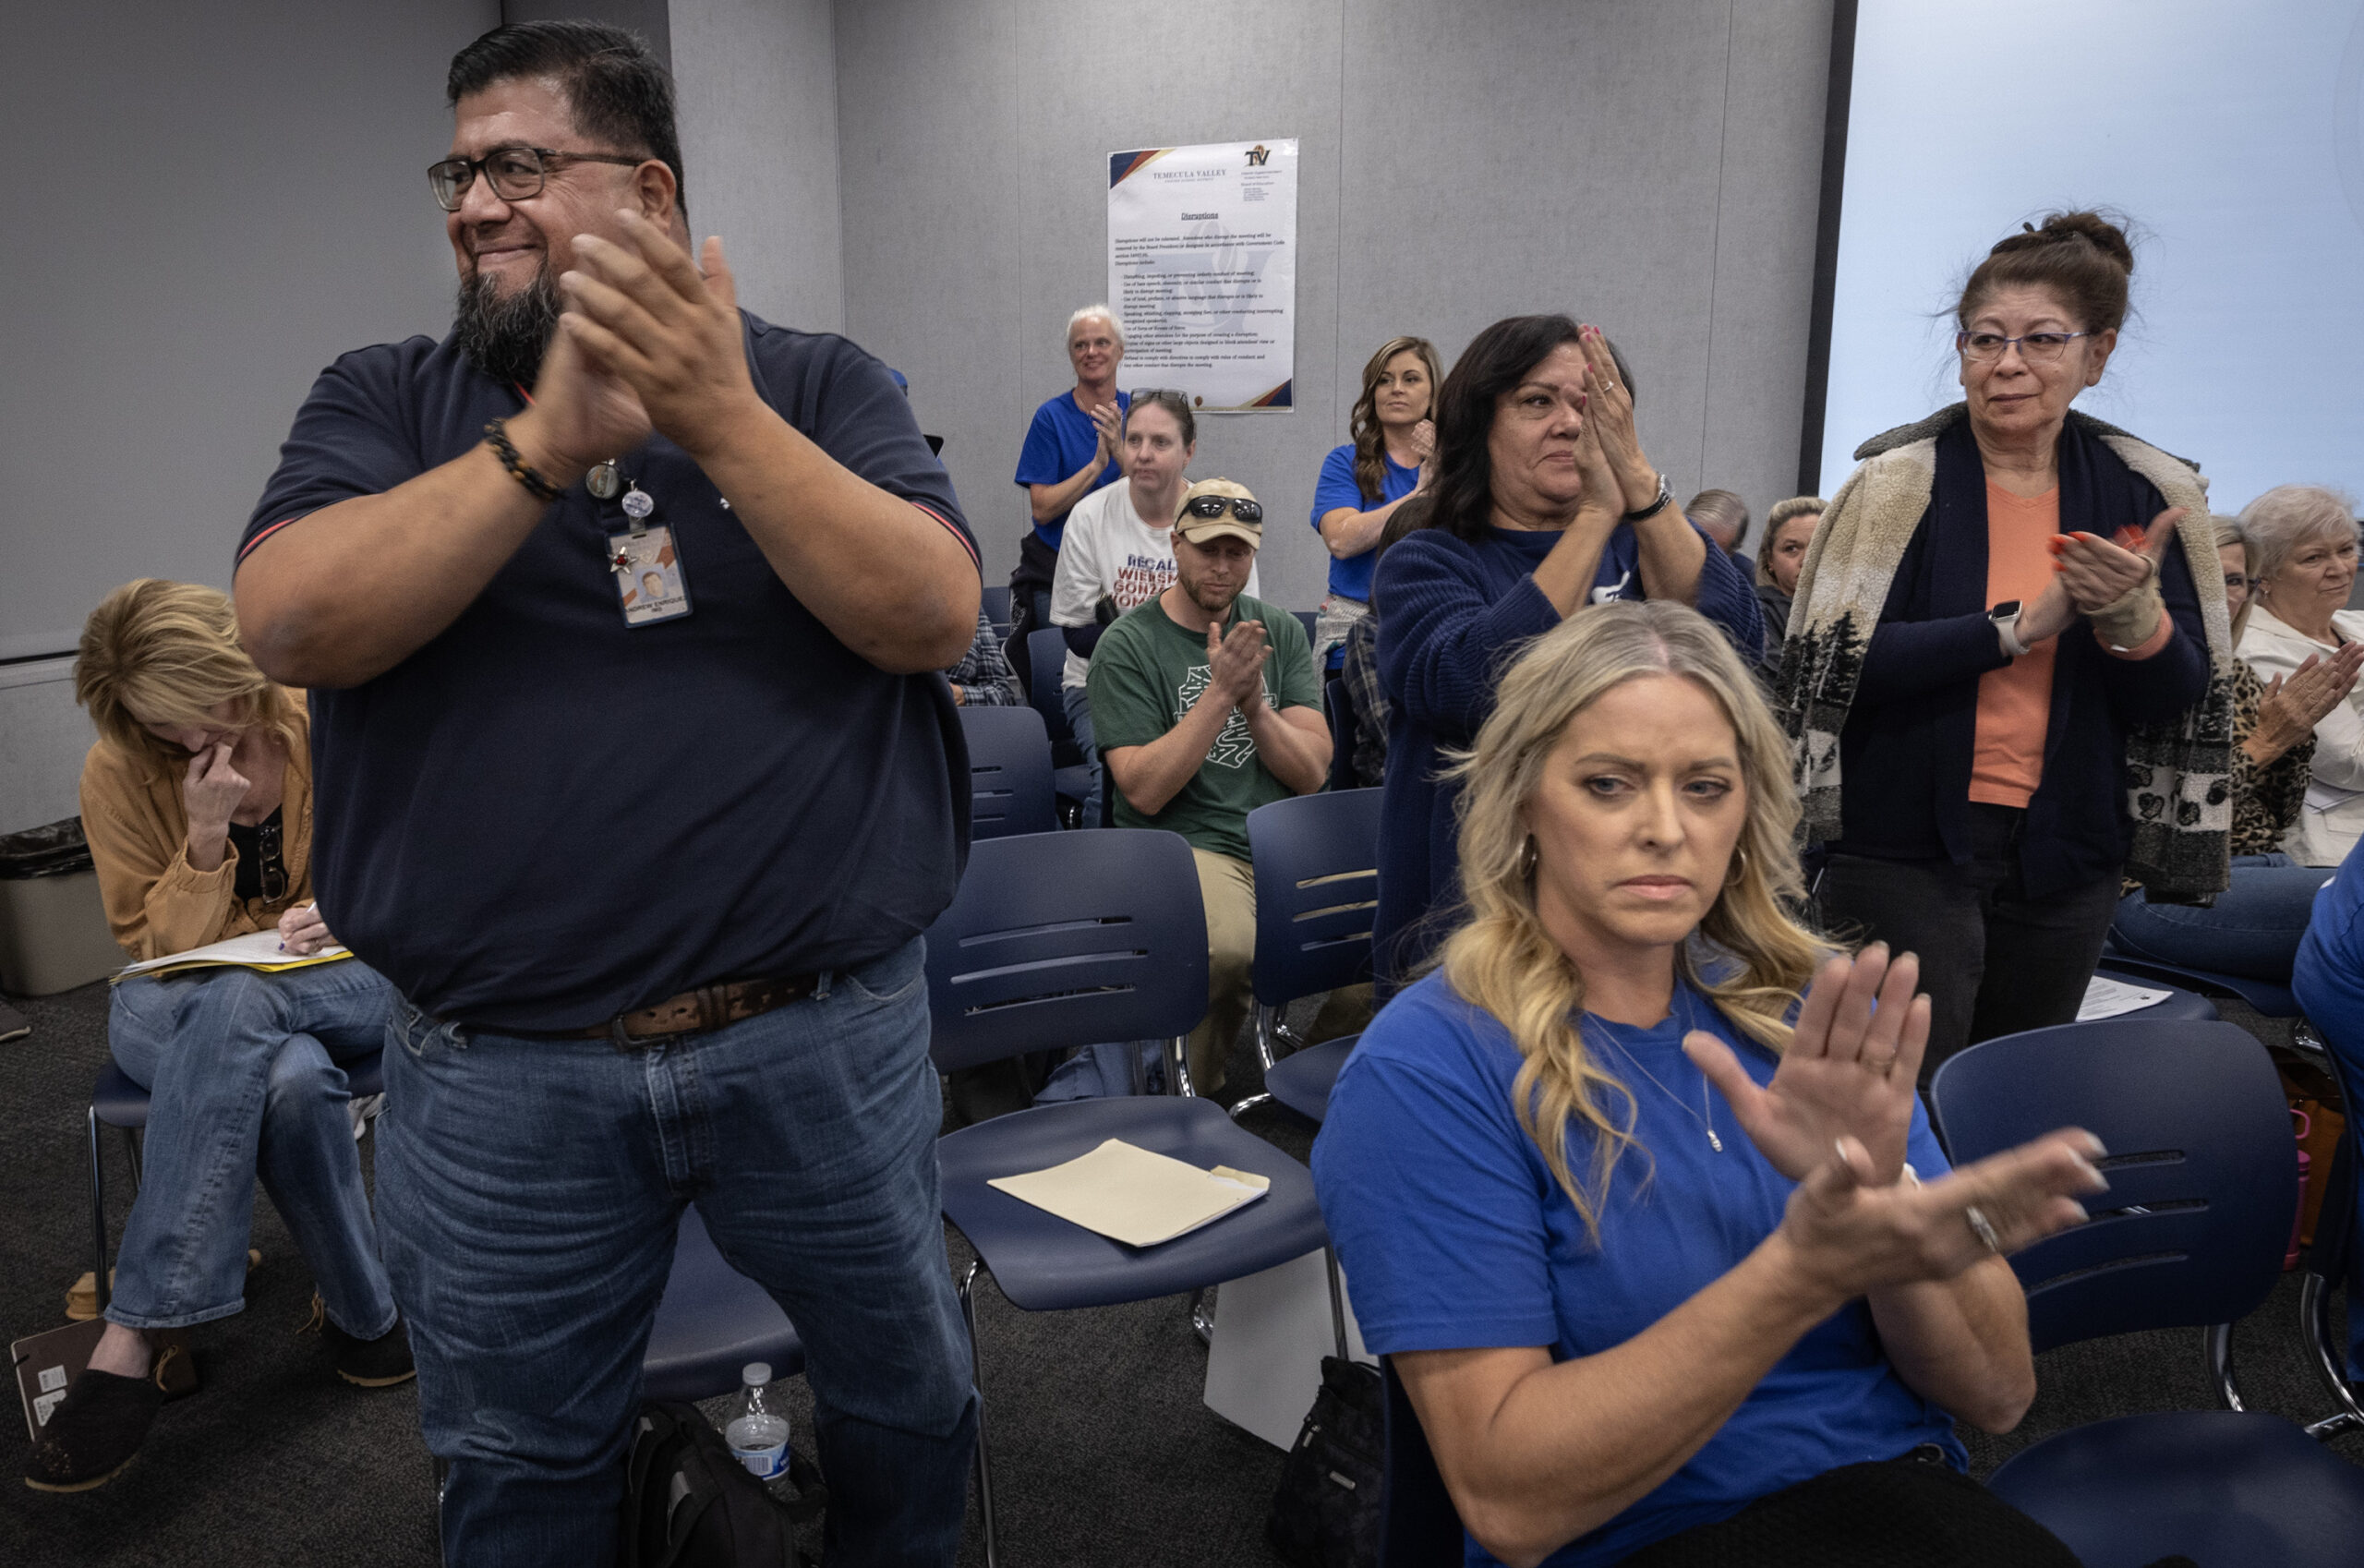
x,y
1337,486
1453,1235
1059,442
543,818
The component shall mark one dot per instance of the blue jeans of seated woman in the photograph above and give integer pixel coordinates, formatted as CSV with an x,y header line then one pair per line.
x,y
530,1189
1078,700
243,1080
2252,929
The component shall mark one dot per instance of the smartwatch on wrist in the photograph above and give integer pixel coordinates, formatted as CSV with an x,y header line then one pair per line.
x,y
1665,496
2005,618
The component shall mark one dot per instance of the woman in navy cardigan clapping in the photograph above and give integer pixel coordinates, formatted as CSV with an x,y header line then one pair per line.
x,y
1544,503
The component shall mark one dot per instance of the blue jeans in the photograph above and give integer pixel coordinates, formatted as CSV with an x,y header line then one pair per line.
x,y
243,1081
530,1188
1078,700
2253,928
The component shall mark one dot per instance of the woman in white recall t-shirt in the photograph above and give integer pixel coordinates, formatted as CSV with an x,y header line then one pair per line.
x,y
1119,552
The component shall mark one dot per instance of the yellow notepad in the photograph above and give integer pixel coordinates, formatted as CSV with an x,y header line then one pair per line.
x,y
1133,1195
256,951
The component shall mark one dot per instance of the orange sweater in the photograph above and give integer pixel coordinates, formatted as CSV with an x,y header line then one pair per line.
x,y
2015,702
138,826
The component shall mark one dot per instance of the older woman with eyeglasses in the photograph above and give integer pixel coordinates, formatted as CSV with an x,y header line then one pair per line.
x,y
197,801
1997,679
2302,542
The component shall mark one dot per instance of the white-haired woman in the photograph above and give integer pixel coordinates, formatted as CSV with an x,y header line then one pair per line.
x,y
2302,553
1640,1229
1075,446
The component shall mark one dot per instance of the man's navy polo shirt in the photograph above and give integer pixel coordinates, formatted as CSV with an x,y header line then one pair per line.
x,y
541,818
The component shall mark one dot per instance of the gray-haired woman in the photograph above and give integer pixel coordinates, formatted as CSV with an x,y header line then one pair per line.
x,y
2302,542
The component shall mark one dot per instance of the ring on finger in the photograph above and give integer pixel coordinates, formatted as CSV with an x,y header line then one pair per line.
x,y
1981,1227
1879,1064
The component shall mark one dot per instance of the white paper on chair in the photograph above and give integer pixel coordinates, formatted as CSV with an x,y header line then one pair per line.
x,y
256,949
1133,1195
2106,998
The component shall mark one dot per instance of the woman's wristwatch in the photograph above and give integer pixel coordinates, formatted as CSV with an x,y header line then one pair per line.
x,y
2005,618
1665,494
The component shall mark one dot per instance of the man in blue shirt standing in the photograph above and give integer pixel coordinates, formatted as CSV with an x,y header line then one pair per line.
x,y
649,873
1075,446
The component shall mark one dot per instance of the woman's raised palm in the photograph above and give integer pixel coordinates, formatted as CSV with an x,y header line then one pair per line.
x,y
1848,1072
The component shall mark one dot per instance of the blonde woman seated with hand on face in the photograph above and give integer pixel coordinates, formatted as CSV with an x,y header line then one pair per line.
x,y
196,801
1668,1259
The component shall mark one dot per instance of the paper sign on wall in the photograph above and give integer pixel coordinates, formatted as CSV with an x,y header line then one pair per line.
x,y
1202,268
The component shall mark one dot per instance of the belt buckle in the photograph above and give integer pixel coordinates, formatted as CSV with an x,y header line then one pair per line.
x,y
623,1040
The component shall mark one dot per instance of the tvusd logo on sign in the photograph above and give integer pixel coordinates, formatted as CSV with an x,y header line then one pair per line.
x,y
1258,155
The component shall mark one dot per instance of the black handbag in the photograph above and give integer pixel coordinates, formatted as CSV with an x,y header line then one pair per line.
x,y
1326,1512
689,1503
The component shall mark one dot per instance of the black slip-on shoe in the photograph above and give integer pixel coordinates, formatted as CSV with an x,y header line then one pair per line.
x,y
93,1432
367,1363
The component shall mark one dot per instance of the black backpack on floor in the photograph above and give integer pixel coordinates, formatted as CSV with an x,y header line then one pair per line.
x,y
689,1503
1326,1512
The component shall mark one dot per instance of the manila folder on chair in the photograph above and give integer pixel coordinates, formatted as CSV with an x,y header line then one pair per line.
x,y
1132,1195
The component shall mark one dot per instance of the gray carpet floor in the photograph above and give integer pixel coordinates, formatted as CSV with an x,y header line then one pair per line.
x,y
1105,1452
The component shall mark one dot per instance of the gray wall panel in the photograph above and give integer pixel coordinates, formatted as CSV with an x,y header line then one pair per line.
x,y
1650,167
758,85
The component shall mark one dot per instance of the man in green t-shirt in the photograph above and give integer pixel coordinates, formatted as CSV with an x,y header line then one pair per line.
x,y
1205,705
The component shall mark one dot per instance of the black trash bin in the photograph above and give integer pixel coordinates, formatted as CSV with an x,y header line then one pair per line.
x,y
54,933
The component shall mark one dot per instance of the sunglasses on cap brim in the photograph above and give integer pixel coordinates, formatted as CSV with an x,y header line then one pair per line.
x,y
1215,506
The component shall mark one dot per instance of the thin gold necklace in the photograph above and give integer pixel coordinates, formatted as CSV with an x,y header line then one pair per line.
x,y
1706,1107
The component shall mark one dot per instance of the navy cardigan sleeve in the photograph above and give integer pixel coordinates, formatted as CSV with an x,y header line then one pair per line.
x,y
1447,630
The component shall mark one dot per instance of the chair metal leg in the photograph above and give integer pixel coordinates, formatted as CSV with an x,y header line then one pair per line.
x,y
131,1153
1338,1300
2220,1365
977,1376
98,1213
1141,1068
1268,1024
2314,1322
1202,1317
1247,1103
1177,1068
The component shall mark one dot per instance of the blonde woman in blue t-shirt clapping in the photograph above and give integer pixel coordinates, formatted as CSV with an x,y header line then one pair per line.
x,y
1665,1254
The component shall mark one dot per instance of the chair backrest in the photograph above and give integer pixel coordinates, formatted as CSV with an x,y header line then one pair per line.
x,y
1010,772
1317,892
1418,1527
2201,1165
1046,655
1308,619
997,606
1061,940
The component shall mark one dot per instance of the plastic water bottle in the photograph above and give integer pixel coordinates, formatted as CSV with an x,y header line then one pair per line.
x,y
756,1432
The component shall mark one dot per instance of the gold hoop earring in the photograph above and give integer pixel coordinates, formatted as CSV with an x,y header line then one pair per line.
x,y
1528,858
1739,872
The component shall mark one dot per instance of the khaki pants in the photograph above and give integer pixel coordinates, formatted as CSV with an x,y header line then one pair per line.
x,y
1227,887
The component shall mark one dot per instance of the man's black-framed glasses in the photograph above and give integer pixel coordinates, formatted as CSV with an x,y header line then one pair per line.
x,y
1215,506
2036,347
515,173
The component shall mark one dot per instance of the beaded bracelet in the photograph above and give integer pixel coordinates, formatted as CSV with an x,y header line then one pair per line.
x,y
497,432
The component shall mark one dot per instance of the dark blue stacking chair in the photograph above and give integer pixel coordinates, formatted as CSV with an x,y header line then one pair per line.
x,y
1418,1527
2192,1233
1063,939
1010,772
2273,1000
118,1102
1317,890
995,601
1046,653
1307,618
712,1321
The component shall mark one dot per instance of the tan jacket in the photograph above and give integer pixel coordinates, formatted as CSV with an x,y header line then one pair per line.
x,y
137,825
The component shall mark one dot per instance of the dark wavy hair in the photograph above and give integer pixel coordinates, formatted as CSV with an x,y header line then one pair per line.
x,y
1497,361
619,93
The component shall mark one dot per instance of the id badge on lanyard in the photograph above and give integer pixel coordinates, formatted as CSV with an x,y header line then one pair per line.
x,y
648,564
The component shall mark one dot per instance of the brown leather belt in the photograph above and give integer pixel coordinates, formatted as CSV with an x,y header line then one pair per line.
x,y
692,1012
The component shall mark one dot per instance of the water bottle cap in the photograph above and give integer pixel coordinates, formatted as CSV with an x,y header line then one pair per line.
x,y
756,1373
